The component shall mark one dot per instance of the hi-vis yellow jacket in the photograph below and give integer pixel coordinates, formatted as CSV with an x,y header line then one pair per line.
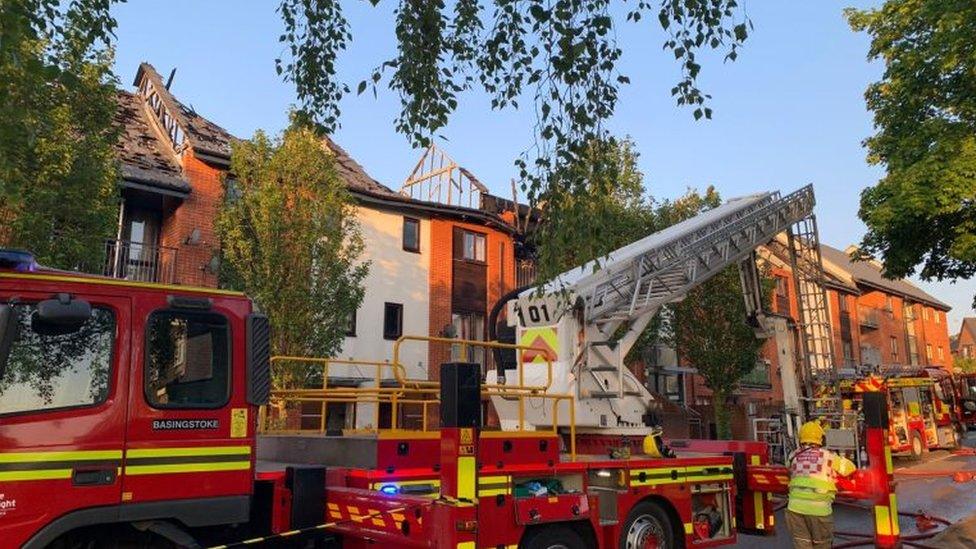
x,y
813,480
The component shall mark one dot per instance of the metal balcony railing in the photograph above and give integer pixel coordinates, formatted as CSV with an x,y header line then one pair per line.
x,y
869,317
140,262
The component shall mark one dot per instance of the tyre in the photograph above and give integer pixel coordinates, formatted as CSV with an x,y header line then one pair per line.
x,y
648,526
916,446
555,536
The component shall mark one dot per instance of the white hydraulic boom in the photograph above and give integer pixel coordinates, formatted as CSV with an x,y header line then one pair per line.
x,y
589,318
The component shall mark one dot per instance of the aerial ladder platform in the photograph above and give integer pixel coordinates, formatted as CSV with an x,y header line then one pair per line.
x,y
587,319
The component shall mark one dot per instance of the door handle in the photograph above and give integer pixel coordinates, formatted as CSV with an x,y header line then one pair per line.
x,y
93,477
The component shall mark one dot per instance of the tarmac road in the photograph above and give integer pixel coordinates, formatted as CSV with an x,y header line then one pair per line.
x,y
939,497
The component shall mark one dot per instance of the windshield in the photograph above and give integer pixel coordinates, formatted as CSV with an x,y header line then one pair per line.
x,y
57,371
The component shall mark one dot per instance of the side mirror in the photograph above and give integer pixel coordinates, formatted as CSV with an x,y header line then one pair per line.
x,y
61,315
9,326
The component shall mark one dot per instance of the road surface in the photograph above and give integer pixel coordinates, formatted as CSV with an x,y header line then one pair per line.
x,y
940,497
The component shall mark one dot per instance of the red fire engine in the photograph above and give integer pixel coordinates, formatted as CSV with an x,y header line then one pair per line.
x,y
965,386
921,408
130,412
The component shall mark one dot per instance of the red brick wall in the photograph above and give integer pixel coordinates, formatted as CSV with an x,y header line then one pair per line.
x,y
441,269
966,344
197,211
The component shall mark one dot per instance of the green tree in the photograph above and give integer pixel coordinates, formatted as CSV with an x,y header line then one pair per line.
x,y
965,364
613,202
923,211
58,174
290,240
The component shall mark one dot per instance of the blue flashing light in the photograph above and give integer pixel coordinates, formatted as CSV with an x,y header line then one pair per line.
x,y
390,489
17,260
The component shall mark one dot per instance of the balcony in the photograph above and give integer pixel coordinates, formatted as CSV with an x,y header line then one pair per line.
x,y
869,318
140,262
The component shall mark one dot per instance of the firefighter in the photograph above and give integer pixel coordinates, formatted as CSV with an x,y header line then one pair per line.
x,y
813,474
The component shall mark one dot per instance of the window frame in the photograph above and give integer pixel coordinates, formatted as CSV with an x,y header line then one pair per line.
x,y
112,362
403,234
352,324
399,308
145,360
476,235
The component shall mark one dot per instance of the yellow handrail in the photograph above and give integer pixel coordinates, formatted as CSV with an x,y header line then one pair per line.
x,y
417,392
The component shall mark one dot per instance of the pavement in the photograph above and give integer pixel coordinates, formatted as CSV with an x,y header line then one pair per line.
x,y
940,497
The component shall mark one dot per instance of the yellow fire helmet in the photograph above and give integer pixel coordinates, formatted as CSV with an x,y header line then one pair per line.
x,y
811,433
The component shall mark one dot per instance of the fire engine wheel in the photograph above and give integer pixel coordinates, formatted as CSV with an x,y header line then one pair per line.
x,y
917,447
552,537
648,527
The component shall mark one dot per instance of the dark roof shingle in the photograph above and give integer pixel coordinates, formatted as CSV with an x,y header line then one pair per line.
x,y
143,156
869,272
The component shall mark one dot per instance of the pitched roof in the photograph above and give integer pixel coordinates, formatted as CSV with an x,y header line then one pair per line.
x,y
869,273
968,326
354,175
148,156
144,157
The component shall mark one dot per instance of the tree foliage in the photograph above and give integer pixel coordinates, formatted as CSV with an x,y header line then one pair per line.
x,y
58,175
923,211
559,57
613,202
290,239
965,365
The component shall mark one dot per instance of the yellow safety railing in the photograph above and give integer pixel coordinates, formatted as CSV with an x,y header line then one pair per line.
x,y
405,392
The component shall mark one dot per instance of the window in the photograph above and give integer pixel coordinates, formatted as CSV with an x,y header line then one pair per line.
x,y
928,351
781,285
351,324
941,353
938,316
473,246
411,234
47,372
848,352
468,326
187,360
925,313
894,349
392,320
888,307
842,302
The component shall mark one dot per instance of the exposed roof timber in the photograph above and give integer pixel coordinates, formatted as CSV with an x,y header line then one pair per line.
x,y
397,202
438,178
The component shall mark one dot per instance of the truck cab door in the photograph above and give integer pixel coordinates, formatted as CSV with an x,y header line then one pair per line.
x,y
189,446
62,415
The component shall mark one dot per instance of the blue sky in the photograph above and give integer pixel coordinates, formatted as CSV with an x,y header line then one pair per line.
x,y
789,111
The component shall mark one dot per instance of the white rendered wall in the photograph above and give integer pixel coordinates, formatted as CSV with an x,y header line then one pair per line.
x,y
395,276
